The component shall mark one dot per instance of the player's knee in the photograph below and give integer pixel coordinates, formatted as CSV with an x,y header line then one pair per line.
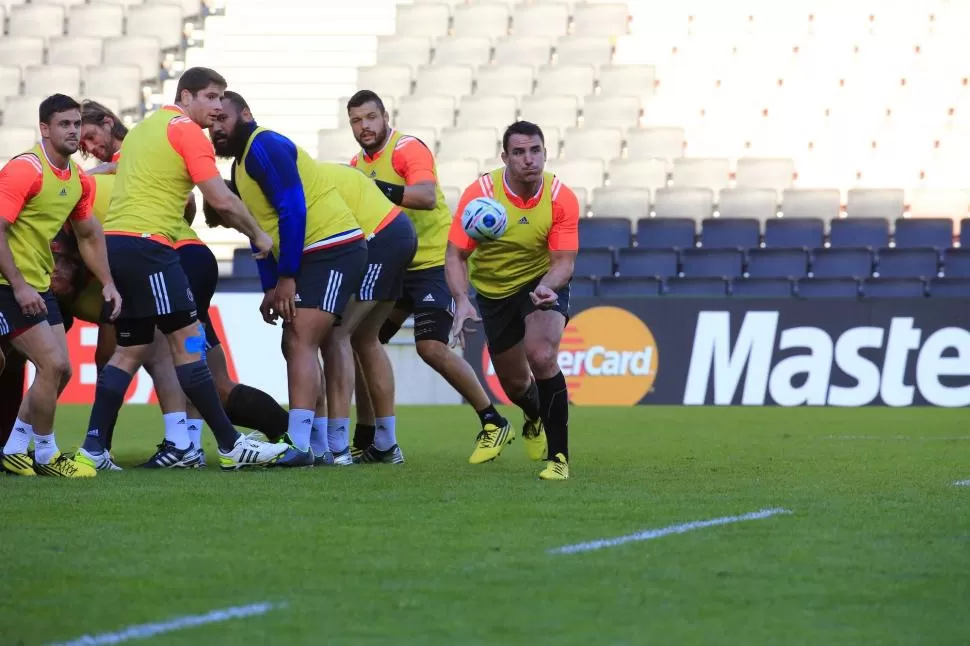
x,y
432,352
543,359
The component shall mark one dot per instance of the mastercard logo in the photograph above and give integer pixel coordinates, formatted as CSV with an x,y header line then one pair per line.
x,y
608,356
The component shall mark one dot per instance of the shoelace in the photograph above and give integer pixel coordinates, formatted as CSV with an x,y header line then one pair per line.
x,y
67,465
486,438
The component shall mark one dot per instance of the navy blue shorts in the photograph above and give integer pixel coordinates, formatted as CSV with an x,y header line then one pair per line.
x,y
504,318
13,321
202,270
149,277
329,278
389,253
426,290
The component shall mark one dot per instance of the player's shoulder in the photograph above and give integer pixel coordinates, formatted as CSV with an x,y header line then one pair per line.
x,y
24,167
560,191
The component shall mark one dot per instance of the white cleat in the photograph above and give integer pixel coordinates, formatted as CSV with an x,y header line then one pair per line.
x,y
100,461
343,458
250,453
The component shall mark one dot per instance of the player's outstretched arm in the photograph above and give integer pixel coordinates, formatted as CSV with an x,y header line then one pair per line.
x,y
107,168
234,213
456,273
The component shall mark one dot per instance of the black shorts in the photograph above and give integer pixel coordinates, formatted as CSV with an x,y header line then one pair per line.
x,y
330,277
149,277
425,290
389,253
504,318
13,321
202,270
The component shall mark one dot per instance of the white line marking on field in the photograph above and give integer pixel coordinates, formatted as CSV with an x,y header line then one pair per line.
x,y
651,534
144,631
962,483
901,438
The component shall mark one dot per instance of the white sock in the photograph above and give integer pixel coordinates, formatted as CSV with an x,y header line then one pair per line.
x,y
45,446
301,423
318,437
194,428
176,430
338,434
20,437
384,436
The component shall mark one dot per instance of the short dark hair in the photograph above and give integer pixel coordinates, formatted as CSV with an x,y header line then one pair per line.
x,y
195,79
365,96
526,128
237,100
56,103
94,114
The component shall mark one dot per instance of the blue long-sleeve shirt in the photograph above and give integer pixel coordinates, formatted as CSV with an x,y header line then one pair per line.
x,y
271,163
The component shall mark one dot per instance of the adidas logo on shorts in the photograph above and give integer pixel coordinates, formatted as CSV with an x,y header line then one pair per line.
x,y
428,298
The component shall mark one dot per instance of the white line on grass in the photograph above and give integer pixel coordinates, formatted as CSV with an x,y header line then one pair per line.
x,y
144,631
962,483
651,534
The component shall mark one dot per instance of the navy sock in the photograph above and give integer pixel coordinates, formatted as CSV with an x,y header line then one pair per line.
x,y
108,397
554,409
491,416
252,408
529,401
364,435
196,382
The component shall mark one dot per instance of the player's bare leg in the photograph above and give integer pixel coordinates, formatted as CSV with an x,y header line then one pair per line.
x,y
543,334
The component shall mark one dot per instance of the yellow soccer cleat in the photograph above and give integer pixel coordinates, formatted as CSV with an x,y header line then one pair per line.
x,y
534,438
62,466
19,464
490,442
556,469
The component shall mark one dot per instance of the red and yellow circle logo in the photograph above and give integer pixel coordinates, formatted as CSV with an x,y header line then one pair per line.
x,y
608,356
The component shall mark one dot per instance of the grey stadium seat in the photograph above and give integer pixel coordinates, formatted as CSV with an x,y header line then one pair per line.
x,y
656,143
163,21
486,111
336,145
641,173
627,80
762,172
75,50
453,80
939,203
604,143
97,20
22,111
463,50
142,51
566,79
611,111
404,50
823,203
431,111
621,201
44,80
582,172
712,173
552,111
393,81
188,8
551,19
122,81
452,196
679,202
875,203
470,143
584,50
22,50
38,20
758,203
422,20
601,19
505,80
517,50
9,81
17,139
457,172
488,20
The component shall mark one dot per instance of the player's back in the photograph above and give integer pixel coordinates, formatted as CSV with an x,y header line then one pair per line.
x,y
152,182
370,206
103,187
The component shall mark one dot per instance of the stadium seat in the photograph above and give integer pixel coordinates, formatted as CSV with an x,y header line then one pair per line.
x,y
142,51
679,202
518,50
949,287
777,263
490,20
956,262
463,50
548,19
841,263
762,288
823,203
22,51
584,50
10,76
577,80
189,8
646,262
623,202
626,287
36,20
604,232
16,139
628,80
867,232
452,197
593,262
884,203
336,145
730,233
449,80
44,80
507,80
776,174
611,111
705,263
161,21
638,173
96,20
429,20
939,203
794,232
604,143
457,172
425,111
907,263
487,111
696,286
760,204
22,111
827,288
469,143
392,81
118,80
608,19
550,111
924,232
404,49
657,142
584,287
662,233
583,172
699,172
893,288
75,50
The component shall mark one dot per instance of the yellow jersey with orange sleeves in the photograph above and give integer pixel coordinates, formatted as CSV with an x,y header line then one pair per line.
x,y
329,221
370,206
162,159
547,221
36,200
103,187
406,160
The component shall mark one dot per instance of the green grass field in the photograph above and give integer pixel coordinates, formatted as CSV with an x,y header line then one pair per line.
x,y
875,551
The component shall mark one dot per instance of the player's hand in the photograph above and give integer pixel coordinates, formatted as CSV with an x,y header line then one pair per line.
x,y
285,301
263,244
111,295
31,303
544,298
464,314
268,307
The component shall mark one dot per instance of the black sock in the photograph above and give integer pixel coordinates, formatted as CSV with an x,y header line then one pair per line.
x,y
252,408
529,402
363,436
489,415
554,402
196,382
108,397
